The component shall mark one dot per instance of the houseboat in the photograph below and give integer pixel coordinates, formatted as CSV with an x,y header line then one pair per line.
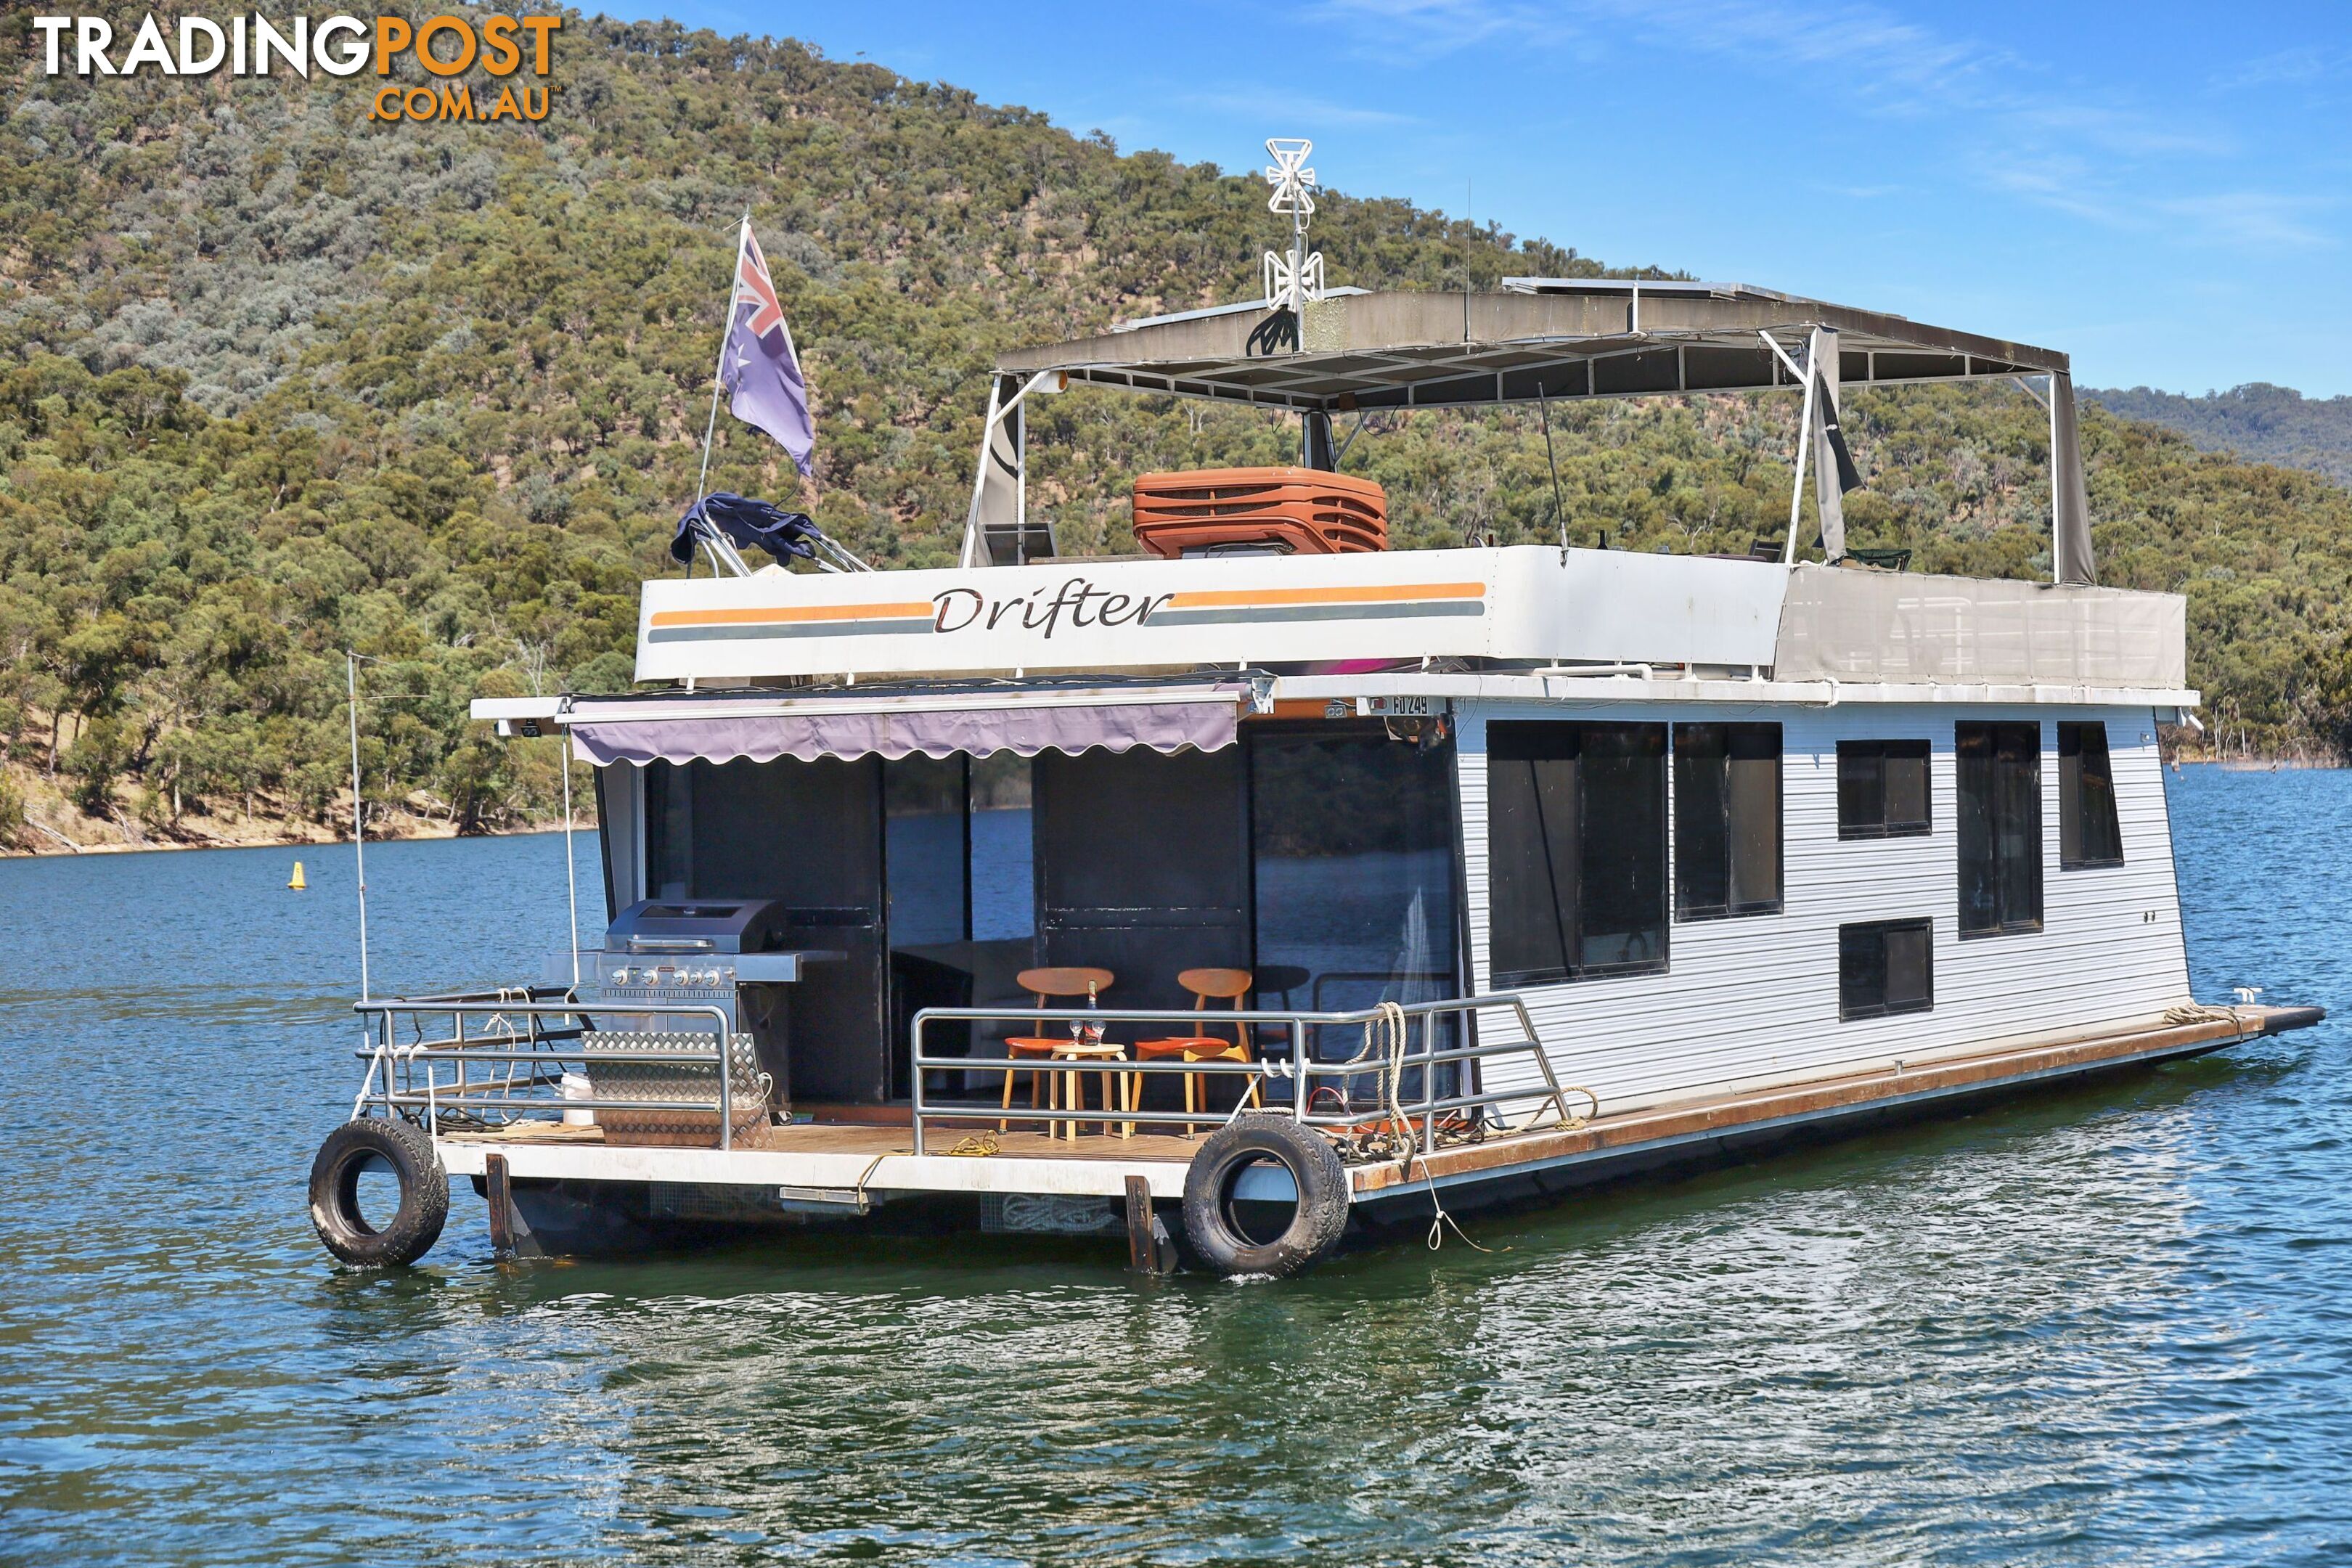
x,y
1274,886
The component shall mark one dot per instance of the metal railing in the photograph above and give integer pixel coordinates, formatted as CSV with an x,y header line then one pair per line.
x,y
526,1058
1300,1070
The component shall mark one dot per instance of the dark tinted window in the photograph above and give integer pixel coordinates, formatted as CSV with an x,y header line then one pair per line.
x,y
1885,966
805,832
924,849
1577,850
1998,769
1727,820
1882,789
1352,838
2088,832
1143,867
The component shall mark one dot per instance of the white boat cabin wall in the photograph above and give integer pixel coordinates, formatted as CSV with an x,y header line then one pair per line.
x,y
1748,993
975,869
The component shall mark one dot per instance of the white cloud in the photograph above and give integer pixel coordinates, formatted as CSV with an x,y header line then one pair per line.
x,y
2008,123
2298,67
2253,219
1298,110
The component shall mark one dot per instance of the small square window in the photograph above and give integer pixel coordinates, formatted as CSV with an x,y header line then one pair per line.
x,y
1884,967
1882,789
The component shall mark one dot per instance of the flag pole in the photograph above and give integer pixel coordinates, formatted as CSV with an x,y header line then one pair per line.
x,y
718,370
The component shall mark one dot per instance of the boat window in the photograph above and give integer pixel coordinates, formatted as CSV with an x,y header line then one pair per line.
x,y
1004,855
801,832
1882,789
1353,840
926,861
2088,832
923,843
616,813
1887,966
1998,772
1143,867
1576,849
808,835
1727,820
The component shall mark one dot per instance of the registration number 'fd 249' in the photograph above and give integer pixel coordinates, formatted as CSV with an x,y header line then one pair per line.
x,y
1399,707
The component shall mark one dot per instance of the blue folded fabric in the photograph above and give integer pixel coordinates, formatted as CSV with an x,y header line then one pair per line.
x,y
786,535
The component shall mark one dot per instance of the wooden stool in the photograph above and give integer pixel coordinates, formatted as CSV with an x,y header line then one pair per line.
x,y
1229,985
1069,1085
1046,986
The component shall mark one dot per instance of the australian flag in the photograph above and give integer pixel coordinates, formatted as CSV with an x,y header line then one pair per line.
x,y
759,369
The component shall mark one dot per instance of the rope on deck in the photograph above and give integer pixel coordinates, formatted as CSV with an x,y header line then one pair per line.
x,y
2203,1013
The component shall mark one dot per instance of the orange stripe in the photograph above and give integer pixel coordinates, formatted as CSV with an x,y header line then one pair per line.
x,y
1262,597
760,617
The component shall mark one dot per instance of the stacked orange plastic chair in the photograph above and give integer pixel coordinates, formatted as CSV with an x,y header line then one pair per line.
x,y
1304,510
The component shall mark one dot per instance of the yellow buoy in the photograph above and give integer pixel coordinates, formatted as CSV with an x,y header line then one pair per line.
x,y
298,884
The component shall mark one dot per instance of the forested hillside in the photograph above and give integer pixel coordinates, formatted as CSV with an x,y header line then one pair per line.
x,y
2268,424
277,382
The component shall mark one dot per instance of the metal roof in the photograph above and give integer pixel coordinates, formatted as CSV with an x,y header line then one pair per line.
x,y
1566,338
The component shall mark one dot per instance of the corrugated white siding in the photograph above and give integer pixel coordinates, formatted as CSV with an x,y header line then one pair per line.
x,y
1755,998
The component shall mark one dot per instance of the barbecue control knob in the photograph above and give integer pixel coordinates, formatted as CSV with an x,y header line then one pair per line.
x,y
620,975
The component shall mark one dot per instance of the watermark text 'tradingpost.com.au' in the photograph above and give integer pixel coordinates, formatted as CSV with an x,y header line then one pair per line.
x,y
503,48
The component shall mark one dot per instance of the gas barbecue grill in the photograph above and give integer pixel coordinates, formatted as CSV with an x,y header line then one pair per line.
x,y
723,953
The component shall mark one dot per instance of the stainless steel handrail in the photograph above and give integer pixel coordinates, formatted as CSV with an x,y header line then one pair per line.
x,y
1299,1066
386,1054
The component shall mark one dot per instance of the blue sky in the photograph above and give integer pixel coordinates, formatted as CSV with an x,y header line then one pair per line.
x,y
2164,191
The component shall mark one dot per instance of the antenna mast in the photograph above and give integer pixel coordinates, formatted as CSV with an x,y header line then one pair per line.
x,y
1295,281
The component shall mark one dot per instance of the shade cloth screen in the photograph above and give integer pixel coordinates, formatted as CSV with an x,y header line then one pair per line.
x,y
1908,626
974,732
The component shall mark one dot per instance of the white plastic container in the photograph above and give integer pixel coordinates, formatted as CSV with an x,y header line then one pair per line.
x,y
577,1086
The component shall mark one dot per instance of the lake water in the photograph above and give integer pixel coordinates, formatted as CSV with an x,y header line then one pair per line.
x,y
2108,1325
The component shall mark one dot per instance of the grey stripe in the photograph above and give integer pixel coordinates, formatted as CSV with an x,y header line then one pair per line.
x,y
804,629
1312,613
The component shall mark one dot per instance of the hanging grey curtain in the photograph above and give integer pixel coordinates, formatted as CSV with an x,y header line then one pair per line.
x,y
2070,511
1833,469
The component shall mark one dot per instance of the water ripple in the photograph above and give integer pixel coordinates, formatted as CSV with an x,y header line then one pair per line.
x,y
2107,1325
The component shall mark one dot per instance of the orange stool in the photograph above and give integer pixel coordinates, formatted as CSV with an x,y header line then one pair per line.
x,y
1228,986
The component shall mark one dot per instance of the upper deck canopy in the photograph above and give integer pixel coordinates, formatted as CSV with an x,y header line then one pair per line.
x,y
1564,338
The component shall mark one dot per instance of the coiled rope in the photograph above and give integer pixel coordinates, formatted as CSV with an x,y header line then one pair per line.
x,y
2200,1012
1388,1030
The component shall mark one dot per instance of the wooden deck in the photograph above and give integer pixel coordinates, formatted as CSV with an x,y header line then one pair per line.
x,y
972,1141
975,1157
1816,1100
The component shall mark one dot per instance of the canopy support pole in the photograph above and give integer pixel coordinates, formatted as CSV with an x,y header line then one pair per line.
x,y
1797,490
974,547
359,811
1558,512
570,864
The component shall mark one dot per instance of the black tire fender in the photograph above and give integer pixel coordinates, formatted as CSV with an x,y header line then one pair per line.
x,y
1314,1167
334,1193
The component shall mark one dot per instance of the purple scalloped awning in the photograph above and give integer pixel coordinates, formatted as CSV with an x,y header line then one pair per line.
x,y
1160,726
